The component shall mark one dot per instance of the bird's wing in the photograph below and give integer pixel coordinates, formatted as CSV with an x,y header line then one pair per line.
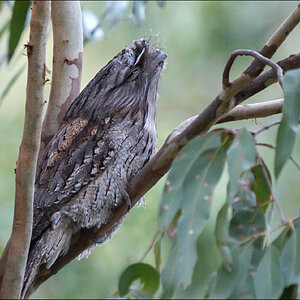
x,y
71,160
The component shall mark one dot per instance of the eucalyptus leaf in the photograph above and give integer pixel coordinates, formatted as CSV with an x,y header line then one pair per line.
x,y
268,280
11,83
200,178
288,127
90,26
115,11
260,187
221,233
161,3
289,259
138,12
228,280
148,276
241,157
17,25
4,27
182,165
208,262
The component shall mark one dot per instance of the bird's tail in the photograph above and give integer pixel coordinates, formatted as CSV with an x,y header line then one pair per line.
x,y
52,243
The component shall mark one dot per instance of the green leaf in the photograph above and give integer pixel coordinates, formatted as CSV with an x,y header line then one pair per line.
x,y
289,259
200,174
4,27
221,233
268,279
115,11
208,262
138,12
247,223
288,127
227,281
17,25
280,241
241,157
161,3
260,187
244,199
11,83
148,276
182,165
244,225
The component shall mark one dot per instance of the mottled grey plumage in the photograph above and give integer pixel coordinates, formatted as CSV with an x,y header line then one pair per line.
x,y
107,136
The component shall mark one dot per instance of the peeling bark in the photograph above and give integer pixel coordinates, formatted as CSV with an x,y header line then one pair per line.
x,y
67,65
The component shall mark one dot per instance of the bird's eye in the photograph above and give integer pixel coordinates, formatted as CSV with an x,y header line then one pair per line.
x,y
133,74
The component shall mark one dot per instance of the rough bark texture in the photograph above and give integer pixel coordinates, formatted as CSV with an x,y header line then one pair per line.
x,y
28,153
107,136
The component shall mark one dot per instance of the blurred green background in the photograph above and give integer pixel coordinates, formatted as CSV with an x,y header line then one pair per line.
x,y
198,38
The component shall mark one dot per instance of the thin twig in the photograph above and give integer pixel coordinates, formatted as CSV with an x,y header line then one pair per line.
x,y
267,232
240,112
282,217
266,127
151,245
241,52
274,148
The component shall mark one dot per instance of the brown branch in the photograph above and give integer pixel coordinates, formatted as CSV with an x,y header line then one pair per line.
x,y
240,112
28,153
241,52
67,65
161,162
266,79
266,127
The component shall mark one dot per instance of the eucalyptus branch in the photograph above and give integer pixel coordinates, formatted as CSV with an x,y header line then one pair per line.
x,y
289,224
151,245
241,52
266,127
266,79
161,162
28,153
240,112
67,65
274,148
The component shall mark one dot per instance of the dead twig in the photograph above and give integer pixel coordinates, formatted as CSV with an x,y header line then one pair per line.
x,y
151,245
241,52
266,127
274,148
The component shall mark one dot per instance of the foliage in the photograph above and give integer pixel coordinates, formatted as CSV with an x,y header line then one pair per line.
x,y
234,257
250,266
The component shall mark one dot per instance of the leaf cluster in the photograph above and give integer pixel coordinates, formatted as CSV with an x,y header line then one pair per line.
x,y
235,259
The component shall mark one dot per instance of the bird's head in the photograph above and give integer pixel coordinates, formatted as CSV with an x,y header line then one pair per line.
x,y
130,78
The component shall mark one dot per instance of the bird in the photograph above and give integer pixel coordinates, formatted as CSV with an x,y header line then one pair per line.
x,y
105,138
